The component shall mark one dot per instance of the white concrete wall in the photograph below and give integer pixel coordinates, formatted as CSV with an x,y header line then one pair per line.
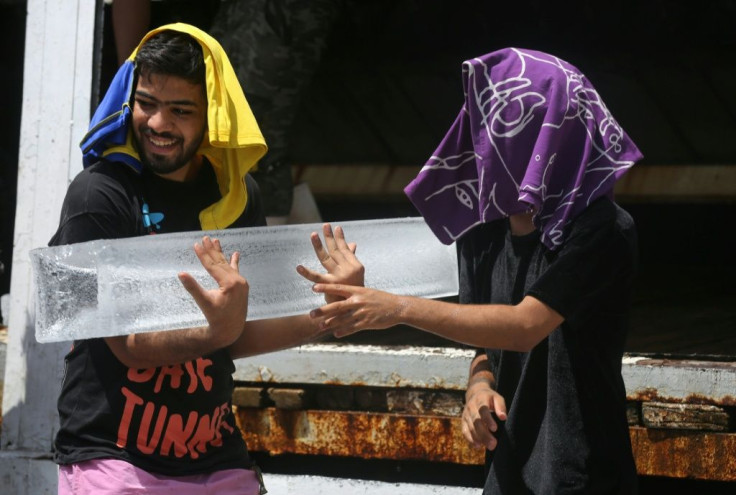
x,y
56,108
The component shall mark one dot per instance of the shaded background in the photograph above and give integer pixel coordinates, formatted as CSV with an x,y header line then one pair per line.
x,y
388,87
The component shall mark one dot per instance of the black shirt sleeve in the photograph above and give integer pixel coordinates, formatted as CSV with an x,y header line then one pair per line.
x,y
98,205
598,256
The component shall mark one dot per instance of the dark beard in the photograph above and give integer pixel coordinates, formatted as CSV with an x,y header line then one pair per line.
x,y
162,165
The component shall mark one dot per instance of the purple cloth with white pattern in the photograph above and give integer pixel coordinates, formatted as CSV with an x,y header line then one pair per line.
x,y
533,135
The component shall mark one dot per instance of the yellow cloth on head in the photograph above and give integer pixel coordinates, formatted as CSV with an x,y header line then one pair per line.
x,y
233,142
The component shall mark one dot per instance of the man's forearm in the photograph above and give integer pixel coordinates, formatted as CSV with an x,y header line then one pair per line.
x,y
154,349
516,327
225,309
150,350
274,334
519,327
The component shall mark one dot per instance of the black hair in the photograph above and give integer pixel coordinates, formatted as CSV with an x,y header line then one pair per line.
x,y
171,53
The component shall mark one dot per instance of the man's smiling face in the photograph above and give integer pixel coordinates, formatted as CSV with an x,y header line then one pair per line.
x,y
169,121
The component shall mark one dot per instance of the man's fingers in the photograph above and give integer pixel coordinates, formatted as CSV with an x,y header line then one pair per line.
x,y
335,290
235,261
322,254
212,250
499,407
343,251
329,237
335,252
479,420
484,433
487,418
341,325
225,272
475,439
209,252
207,243
193,287
340,243
470,433
466,433
329,311
310,275
216,245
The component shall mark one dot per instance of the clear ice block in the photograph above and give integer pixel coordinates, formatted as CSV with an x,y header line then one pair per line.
x,y
117,287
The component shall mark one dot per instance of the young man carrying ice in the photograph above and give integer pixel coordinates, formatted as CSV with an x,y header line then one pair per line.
x,y
168,150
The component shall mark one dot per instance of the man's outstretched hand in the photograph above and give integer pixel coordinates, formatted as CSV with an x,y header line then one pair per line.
x,y
337,257
225,307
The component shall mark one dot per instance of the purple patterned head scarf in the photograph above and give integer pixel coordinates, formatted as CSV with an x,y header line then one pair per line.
x,y
533,135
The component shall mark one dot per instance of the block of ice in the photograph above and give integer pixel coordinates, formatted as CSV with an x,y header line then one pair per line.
x,y
116,287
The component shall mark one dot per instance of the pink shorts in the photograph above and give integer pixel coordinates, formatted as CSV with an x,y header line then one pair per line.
x,y
115,477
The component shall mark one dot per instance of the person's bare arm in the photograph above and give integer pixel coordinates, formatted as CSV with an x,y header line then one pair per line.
x,y
130,21
511,327
224,307
275,334
338,259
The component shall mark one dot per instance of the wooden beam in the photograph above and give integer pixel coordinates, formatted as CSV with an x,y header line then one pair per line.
x,y
641,183
679,182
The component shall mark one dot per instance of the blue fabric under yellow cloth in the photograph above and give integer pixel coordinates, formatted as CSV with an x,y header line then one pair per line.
x,y
233,142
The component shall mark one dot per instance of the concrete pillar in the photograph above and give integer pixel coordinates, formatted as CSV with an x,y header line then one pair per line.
x,y
57,85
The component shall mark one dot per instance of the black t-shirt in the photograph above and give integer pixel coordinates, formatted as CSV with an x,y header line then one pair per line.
x,y
105,201
566,430
173,420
